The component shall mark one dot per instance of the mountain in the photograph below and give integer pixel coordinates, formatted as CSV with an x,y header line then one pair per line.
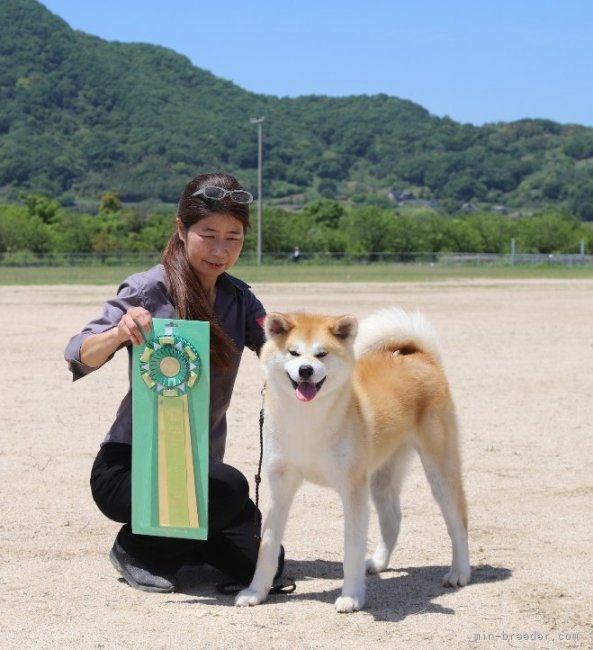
x,y
80,116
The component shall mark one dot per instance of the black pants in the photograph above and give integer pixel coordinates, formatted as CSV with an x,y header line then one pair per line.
x,y
233,520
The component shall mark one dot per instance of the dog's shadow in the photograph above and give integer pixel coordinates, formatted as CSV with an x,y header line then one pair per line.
x,y
392,596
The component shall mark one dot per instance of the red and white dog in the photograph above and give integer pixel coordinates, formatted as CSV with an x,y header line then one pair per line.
x,y
346,410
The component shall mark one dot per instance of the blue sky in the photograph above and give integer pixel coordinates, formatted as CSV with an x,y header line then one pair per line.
x,y
476,61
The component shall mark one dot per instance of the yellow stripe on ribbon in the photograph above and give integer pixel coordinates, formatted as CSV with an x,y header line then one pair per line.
x,y
177,497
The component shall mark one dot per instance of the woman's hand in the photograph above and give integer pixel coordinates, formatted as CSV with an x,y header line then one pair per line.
x,y
134,326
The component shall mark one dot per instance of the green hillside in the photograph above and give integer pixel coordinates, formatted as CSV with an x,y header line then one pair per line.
x,y
80,116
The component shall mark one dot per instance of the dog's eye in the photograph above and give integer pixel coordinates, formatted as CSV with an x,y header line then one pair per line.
x,y
293,353
320,355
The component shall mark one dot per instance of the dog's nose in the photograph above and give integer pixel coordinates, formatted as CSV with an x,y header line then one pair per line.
x,y
305,372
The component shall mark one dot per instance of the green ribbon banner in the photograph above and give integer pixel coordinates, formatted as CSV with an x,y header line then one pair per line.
x,y
170,429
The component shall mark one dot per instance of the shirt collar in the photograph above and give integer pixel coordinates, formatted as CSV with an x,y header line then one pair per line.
x,y
228,282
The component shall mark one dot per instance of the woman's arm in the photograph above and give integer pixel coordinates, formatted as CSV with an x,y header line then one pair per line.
x,y
96,349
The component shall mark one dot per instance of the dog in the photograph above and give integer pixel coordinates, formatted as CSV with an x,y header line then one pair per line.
x,y
345,406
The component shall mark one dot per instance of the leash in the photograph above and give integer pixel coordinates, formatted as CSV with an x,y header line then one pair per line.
x,y
258,521
282,585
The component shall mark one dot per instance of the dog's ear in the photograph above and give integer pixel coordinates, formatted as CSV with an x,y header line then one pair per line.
x,y
344,327
277,324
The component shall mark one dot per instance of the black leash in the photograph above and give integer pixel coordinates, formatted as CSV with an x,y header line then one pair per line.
x,y
257,477
282,585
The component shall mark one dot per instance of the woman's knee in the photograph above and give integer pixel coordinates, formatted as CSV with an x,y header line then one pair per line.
x,y
226,481
111,482
228,495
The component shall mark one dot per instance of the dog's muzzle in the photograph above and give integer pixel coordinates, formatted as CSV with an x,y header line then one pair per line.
x,y
306,390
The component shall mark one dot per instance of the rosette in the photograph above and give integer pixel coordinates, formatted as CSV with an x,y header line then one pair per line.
x,y
170,365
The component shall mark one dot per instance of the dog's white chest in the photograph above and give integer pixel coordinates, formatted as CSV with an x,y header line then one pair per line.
x,y
317,455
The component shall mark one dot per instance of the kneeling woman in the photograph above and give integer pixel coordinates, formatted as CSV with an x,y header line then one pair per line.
x,y
191,283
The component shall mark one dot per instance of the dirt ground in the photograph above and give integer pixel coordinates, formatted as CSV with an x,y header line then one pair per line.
x,y
519,356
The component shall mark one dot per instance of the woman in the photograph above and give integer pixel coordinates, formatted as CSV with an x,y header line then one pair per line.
x,y
191,283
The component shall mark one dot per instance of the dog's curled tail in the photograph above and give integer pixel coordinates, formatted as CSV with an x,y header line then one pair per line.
x,y
395,329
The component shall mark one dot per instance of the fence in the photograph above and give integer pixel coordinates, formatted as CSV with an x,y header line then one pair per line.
x,y
25,259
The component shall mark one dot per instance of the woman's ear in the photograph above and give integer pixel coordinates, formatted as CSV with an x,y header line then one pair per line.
x,y
180,229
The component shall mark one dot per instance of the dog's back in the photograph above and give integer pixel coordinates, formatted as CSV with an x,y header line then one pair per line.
x,y
398,380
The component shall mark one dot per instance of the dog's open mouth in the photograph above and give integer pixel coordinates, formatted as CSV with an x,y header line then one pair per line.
x,y
306,390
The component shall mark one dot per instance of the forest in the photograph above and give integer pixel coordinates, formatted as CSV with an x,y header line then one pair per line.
x,y
81,117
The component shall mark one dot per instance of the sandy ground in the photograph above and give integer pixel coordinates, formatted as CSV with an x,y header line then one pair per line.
x,y
519,356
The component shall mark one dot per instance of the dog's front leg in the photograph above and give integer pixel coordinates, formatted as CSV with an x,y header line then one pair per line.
x,y
283,485
355,498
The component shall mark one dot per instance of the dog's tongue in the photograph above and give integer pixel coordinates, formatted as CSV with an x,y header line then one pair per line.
x,y
305,391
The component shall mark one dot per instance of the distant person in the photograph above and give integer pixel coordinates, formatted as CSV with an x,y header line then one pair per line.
x,y
296,254
191,283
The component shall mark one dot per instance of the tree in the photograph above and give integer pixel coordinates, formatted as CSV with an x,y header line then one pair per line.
x,y
548,232
495,232
581,202
461,236
39,236
325,212
44,208
13,228
155,234
423,228
110,202
282,230
74,233
369,230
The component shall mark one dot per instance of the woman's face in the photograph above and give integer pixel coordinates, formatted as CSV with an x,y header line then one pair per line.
x,y
212,245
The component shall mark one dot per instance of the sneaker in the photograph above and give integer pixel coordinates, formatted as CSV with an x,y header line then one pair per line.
x,y
137,574
280,585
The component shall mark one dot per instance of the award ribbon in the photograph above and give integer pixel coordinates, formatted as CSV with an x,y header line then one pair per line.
x,y
170,366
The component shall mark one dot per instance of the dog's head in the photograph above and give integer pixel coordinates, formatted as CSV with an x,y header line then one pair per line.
x,y
308,353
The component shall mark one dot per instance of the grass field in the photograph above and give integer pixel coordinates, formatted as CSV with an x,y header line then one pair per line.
x,y
301,273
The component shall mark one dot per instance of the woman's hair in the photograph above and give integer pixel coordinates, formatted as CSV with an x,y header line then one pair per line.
x,y
186,293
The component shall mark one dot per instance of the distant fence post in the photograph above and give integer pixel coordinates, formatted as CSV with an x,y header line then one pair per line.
x,y
513,252
583,252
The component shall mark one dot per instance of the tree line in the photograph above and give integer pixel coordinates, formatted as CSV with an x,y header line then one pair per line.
x,y
40,225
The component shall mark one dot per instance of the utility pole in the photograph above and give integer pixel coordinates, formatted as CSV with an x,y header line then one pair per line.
x,y
259,121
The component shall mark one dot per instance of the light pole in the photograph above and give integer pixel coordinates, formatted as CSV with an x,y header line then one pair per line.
x,y
259,121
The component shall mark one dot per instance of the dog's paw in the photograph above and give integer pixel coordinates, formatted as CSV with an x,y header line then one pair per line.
x,y
249,597
349,604
457,577
374,565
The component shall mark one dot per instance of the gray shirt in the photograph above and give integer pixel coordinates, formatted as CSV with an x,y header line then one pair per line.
x,y
238,311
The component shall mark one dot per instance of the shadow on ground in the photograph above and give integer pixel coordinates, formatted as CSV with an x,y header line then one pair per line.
x,y
392,596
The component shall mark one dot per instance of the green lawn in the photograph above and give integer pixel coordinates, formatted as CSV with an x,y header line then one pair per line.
x,y
302,273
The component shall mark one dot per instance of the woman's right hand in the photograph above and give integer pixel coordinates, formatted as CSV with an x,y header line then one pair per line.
x,y
135,326
98,348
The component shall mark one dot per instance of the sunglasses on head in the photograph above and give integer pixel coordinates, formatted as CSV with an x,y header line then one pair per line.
x,y
214,193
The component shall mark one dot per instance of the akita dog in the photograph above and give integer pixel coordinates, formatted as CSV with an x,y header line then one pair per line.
x,y
346,411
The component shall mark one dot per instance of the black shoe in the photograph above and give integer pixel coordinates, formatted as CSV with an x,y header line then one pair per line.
x,y
280,569
280,585
138,575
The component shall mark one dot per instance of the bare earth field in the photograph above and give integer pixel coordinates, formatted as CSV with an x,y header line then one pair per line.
x,y
519,356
